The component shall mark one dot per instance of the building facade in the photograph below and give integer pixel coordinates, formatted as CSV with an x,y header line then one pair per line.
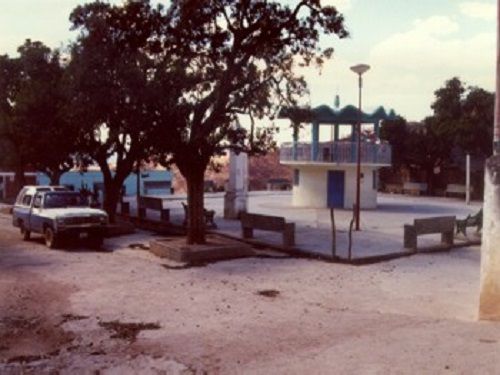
x,y
151,182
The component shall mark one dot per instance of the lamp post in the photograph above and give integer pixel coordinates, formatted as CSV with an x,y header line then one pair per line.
x,y
359,69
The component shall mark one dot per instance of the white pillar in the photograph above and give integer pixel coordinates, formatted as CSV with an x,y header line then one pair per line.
x,y
489,298
467,179
236,197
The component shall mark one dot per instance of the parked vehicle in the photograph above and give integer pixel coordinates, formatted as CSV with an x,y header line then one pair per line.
x,y
59,215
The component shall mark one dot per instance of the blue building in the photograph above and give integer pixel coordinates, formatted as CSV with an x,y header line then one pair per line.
x,y
152,182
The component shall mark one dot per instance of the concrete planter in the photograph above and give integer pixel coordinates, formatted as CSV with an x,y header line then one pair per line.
x,y
216,248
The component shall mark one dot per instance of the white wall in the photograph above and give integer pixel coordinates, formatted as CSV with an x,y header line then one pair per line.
x,y
368,195
312,188
311,191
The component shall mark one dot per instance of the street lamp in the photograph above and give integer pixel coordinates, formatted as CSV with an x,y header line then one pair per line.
x,y
359,69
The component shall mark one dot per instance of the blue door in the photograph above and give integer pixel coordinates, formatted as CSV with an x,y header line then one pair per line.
x,y
335,189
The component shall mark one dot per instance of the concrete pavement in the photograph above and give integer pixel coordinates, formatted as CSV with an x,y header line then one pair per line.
x,y
381,229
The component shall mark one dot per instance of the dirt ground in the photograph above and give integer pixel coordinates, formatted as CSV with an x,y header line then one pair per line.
x,y
126,311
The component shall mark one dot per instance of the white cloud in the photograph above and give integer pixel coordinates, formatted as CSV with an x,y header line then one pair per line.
x,y
435,25
408,67
477,9
342,5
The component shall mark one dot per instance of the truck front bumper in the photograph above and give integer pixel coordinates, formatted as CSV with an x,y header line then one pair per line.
x,y
81,232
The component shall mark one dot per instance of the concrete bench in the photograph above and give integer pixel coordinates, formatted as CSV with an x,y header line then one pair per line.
x,y
155,204
470,221
414,188
209,217
456,189
249,222
442,224
394,188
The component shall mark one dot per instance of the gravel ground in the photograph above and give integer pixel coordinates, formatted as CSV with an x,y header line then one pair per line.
x,y
125,311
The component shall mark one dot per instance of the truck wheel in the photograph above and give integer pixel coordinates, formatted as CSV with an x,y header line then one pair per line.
x,y
51,240
25,233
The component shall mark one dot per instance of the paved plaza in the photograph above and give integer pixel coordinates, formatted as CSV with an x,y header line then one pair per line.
x,y
382,229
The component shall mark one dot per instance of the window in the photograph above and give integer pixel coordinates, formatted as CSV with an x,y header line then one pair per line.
x,y
66,199
37,203
375,181
296,176
27,200
20,196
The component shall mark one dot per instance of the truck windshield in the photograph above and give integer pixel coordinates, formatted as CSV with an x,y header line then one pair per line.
x,y
57,200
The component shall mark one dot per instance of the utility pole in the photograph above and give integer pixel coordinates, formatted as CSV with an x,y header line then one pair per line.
x,y
359,69
496,126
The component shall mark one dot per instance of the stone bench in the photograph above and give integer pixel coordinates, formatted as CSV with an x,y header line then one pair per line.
x,y
394,188
414,188
155,204
249,222
442,224
456,189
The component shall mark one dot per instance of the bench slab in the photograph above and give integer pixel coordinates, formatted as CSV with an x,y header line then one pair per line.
x,y
249,222
445,225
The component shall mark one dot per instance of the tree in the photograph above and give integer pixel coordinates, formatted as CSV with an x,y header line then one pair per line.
x,y
465,116
462,118
448,103
34,118
9,73
475,130
396,132
430,150
41,106
417,146
121,95
236,57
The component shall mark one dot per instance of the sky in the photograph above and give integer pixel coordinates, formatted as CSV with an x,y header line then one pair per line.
x,y
412,46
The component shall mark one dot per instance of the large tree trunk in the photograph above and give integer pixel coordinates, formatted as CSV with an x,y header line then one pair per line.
x,y
196,223
112,192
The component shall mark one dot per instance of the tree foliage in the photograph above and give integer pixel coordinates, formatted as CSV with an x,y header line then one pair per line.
x,y
33,111
462,120
121,95
236,57
174,81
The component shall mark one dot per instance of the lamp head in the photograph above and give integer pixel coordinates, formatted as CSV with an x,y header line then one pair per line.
x,y
360,68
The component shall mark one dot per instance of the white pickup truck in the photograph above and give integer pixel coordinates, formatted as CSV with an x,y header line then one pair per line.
x,y
59,215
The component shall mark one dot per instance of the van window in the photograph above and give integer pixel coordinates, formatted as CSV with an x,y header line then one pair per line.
x,y
20,196
27,200
38,201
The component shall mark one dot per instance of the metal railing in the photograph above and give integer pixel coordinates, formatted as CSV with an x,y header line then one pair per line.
x,y
337,152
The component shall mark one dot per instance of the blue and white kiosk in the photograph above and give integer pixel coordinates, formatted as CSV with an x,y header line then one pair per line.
x,y
325,172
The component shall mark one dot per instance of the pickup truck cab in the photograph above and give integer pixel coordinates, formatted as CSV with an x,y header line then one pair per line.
x,y
58,214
